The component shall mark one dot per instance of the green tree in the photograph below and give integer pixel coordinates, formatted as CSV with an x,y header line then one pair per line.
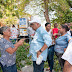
x,y
11,10
63,12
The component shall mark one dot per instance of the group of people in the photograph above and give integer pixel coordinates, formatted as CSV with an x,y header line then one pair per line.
x,y
45,42
48,41
61,38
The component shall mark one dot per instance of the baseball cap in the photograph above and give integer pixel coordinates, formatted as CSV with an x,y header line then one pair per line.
x,y
35,19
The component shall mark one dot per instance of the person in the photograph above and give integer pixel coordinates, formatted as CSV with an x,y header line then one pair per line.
x,y
8,51
69,32
55,30
14,34
38,47
31,33
51,49
67,56
62,43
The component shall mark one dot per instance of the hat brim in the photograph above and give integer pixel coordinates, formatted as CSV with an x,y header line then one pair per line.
x,y
31,22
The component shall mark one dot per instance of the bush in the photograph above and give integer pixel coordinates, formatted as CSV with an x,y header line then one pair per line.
x,y
21,55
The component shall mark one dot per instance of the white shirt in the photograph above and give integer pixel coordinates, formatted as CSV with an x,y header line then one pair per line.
x,y
14,33
69,32
68,53
50,34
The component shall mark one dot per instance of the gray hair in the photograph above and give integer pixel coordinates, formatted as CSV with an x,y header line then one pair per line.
x,y
2,29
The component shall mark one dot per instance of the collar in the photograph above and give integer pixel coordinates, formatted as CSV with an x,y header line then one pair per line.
x,y
38,28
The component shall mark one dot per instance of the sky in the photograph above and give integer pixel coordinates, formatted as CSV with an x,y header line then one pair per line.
x,y
34,10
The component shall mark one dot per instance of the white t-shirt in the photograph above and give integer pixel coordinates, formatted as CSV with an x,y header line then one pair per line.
x,y
69,32
50,34
68,53
14,33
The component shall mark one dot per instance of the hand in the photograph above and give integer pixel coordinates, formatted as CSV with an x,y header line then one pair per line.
x,y
38,53
21,42
54,34
65,49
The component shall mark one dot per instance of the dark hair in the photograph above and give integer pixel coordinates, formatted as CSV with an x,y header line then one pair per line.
x,y
68,24
47,24
1,32
65,27
55,25
13,25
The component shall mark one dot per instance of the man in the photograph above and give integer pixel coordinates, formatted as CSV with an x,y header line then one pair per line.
x,y
69,32
41,41
51,49
31,33
14,34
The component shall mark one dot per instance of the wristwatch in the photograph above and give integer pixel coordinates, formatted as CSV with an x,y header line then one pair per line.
x,y
40,50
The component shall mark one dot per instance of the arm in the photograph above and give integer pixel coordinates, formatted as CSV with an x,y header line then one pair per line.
x,y
67,67
42,49
56,34
12,50
65,49
68,42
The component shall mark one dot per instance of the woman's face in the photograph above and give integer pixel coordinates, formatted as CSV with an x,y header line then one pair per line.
x,y
7,32
61,30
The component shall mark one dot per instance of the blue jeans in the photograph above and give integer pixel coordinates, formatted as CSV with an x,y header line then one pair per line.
x,y
13,40
50,57
1,66
38,68
12,68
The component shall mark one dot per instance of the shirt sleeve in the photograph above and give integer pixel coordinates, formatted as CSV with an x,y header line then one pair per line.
x,y
6,46
47,39
69,38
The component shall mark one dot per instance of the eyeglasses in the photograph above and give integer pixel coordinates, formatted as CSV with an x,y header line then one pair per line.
x,y
31,24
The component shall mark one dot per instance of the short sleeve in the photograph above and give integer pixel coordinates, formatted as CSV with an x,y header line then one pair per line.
x,y
69,38
47,39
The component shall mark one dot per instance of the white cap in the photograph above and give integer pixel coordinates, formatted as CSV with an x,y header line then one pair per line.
x,y
35,19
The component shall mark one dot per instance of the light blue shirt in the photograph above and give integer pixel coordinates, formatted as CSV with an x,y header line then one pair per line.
x,y
41,36
61,43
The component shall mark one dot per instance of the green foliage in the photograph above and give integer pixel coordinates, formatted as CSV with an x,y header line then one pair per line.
x,y
63,12
21,54
56,66
11,9
69,2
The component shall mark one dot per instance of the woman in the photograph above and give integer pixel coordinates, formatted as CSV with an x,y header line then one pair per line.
x,y
8,51
62,43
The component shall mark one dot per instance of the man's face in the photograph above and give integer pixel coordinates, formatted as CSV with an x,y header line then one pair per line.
x,y
34,26
48,27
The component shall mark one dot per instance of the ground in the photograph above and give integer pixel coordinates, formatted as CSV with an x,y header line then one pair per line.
x,y
29,69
